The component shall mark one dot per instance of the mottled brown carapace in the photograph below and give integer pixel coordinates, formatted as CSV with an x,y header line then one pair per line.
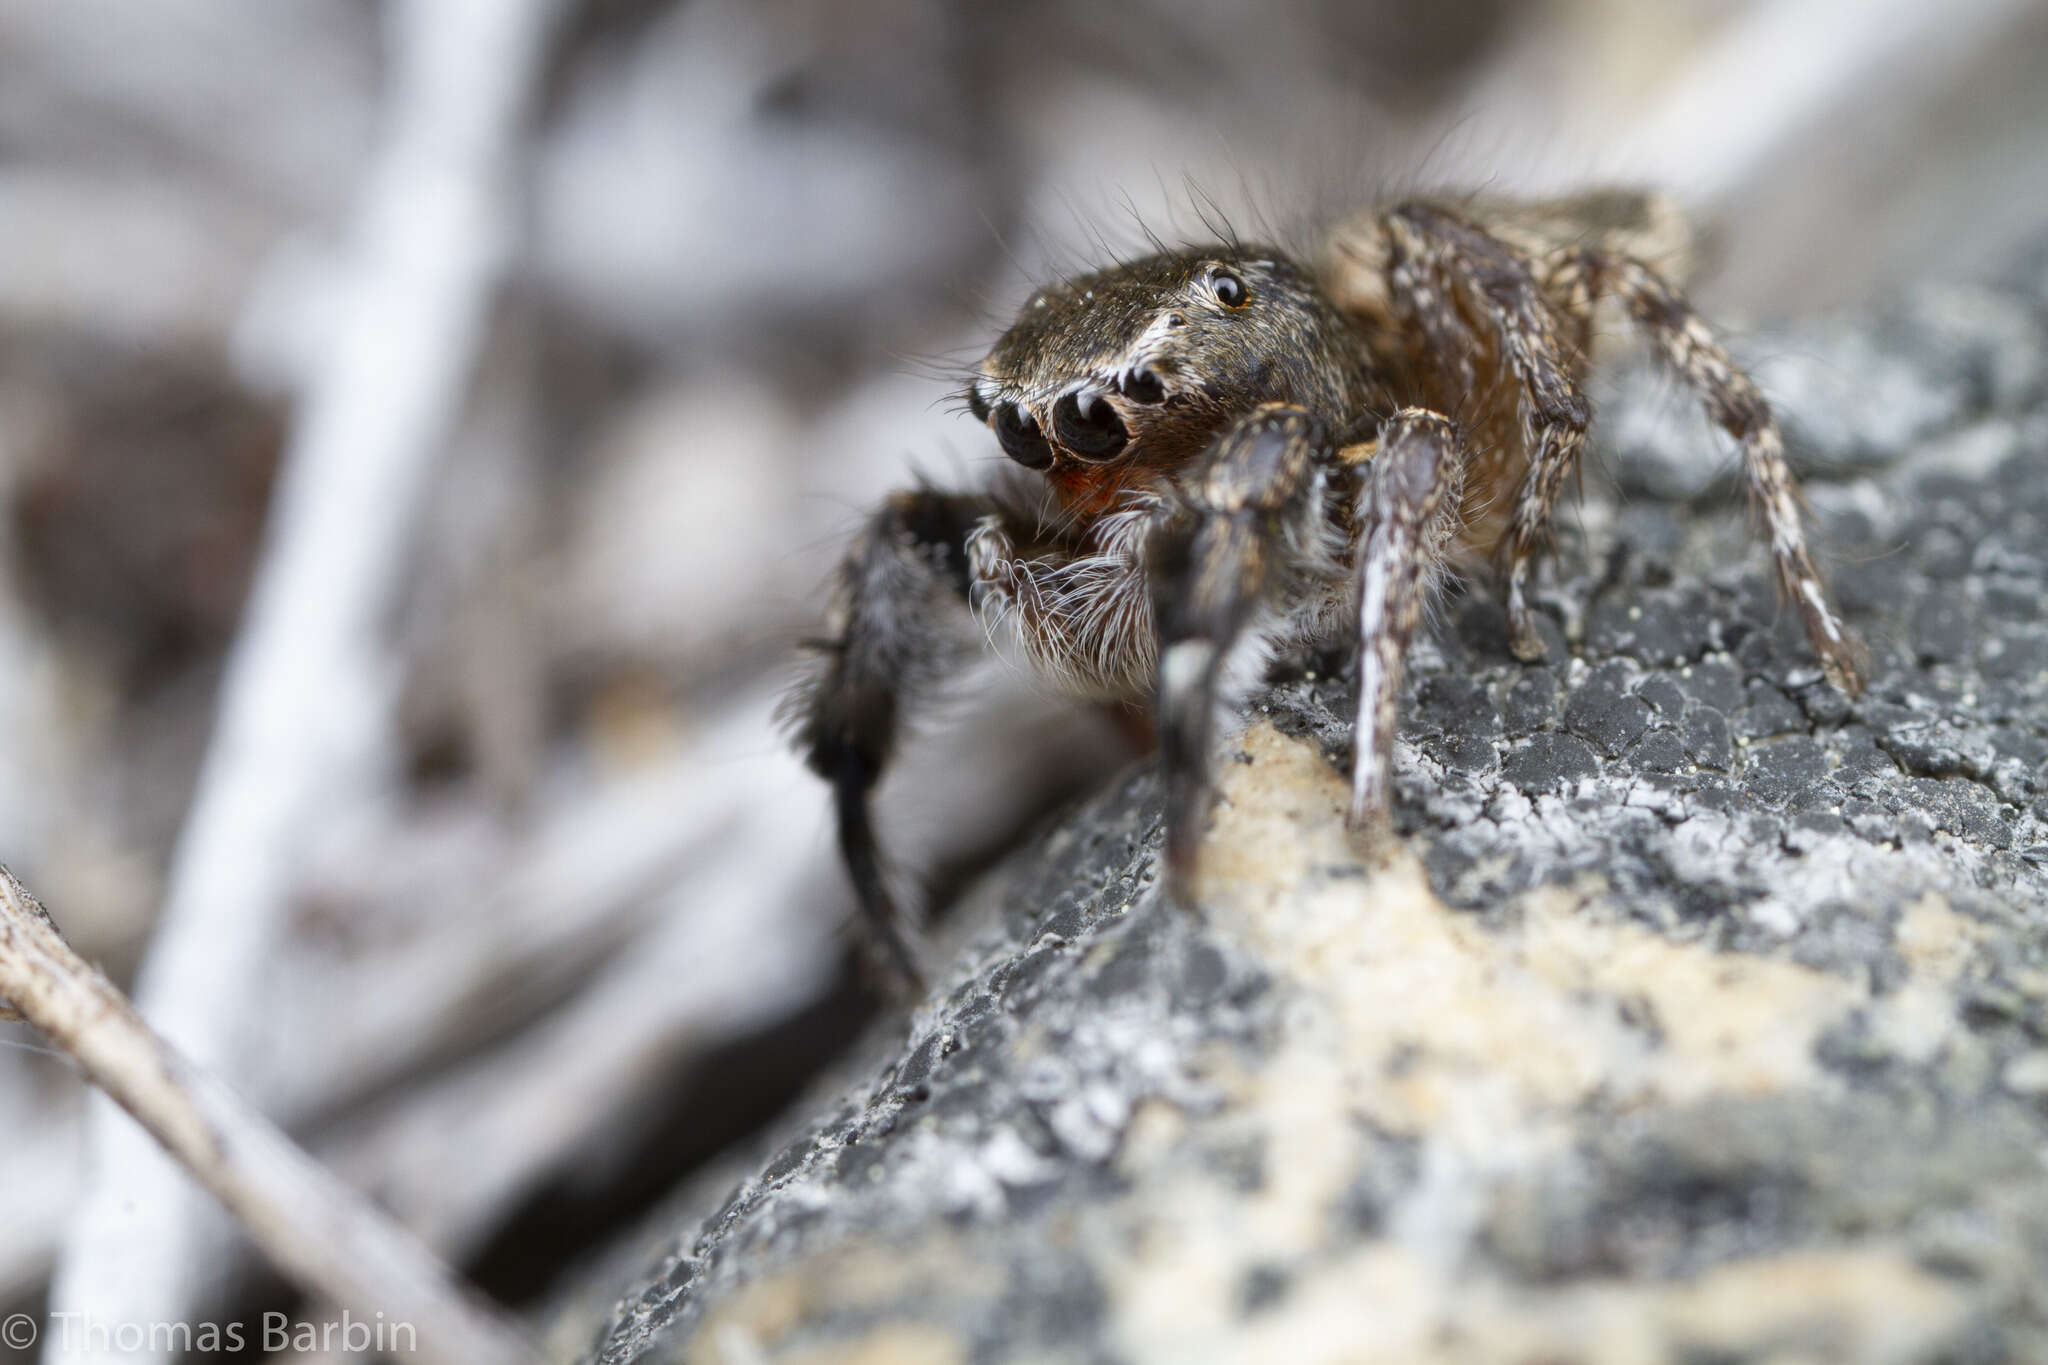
x,y
1223,450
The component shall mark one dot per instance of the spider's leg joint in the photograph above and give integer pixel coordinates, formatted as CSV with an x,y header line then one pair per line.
x,y
1214,557
1408,519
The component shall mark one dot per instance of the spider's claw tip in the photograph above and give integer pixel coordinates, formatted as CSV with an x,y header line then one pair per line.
x,y
892,951
907,982
1526,643
1844,668
1371,828
1181,865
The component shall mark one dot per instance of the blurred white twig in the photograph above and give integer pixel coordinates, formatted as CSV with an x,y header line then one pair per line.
x,y
592,881
37,1185
741,945
327,1238
1784,69
720,867
303,714
654,891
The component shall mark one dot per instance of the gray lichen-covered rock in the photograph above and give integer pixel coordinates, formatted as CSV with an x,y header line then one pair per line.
x,y
1704,1019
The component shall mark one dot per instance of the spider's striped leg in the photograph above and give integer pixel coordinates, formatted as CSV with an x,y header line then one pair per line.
x,y
1408,516
899,627
1690,348
1524,329
1216,554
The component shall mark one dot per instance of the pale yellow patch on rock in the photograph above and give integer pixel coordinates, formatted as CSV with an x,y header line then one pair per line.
x,y
762,1311
1173,1263
769,1321
1482,1042
896,1343
1384,1306
1155,1127
2027,1074
1917,1022
1868,1304
1730,1024
1450,1026
1937,943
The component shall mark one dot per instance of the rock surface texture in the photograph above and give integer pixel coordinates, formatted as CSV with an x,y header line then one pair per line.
x,y
1704,1019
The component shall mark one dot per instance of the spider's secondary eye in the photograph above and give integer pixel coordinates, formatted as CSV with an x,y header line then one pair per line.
x,y
1093,432
1021,438
1229,289
976,404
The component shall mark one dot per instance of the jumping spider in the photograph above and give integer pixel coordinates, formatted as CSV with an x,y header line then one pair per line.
x,y
1229,449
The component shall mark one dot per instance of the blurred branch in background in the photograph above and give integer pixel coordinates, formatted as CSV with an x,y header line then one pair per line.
x,y
1878,129
304,719
531,892
741,949
325,1235
1780,71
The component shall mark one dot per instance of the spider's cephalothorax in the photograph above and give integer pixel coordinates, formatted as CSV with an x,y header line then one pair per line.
x,y
1219,449
1114,381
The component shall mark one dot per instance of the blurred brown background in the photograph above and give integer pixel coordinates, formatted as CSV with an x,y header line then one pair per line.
x,y
585,330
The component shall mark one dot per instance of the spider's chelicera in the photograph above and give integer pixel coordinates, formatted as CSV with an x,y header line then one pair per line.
x,y
1219,450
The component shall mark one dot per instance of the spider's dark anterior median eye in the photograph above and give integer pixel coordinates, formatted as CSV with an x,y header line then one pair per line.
x,y
1021,438
1088,426
1229,289
1142,386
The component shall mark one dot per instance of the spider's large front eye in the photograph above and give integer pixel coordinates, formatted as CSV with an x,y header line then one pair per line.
x,y
1021,438
1090,428
1141,384
1229,290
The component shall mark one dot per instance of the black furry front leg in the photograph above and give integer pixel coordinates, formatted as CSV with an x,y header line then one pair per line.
x,y
1221,549
899,627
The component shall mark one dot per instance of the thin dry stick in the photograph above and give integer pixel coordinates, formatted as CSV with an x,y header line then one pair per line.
x,y
321,1234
